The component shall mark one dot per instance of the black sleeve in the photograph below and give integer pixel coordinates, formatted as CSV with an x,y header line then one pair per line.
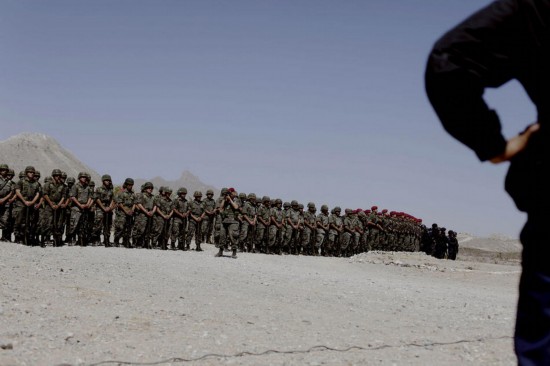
x,y
483,51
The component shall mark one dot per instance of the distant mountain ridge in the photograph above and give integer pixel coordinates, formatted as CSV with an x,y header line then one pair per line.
x,y
45,154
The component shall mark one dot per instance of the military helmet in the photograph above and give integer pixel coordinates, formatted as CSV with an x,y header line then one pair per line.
x,y
242,195
197,194
224,190
81,175
87,175
148,185
278,201
209,191
11,171
337,209
37,174
56,172
29,169
266,199
4,167
300,206
324,208
70,180
48,179
168,189
251,196
21,174
311,204
182,190
294,203
105,177
348,211
64,175
129,181
286,204
92,183
161,189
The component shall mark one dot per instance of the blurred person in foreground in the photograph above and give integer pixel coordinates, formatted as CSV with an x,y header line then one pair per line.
x,y
508,39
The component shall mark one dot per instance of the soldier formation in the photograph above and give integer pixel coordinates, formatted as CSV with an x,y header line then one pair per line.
x,y
74,212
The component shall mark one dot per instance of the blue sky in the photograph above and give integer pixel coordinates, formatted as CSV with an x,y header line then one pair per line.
x,y
311,100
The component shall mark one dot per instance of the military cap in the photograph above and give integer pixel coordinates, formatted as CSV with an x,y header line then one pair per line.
x,y
209,191
251,196
182,190
129,181
337,209
29,169
197,194
294,203
11,172
56,172
64,175
4,167
311,204
278,200
70,180
105,177
324,207
286,204
266,199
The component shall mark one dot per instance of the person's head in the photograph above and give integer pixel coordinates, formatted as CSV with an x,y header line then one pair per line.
x,y
182,192
324,209
278,202
197,195
56,175
252,197
71,181
106,180
4,170
337,210
82,178
232,192
294,204
10,174
128,184
37,175
29,172
167,192
209,193
266,201
148,187
311,207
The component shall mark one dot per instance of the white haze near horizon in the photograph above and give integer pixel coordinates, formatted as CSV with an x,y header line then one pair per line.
x,y
318,101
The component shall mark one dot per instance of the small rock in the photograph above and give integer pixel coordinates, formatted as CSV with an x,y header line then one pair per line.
x,y
6,345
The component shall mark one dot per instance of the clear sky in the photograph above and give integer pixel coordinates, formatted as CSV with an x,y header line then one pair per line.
x,y
313,100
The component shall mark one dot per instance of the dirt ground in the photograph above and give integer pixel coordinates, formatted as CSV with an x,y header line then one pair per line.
x,y
109,306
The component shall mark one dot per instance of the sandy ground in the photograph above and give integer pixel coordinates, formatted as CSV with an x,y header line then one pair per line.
x,y
108,306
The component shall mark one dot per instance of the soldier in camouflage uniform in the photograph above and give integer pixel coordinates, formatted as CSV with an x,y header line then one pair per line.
x,y
82,197
161,219
179,219
218,217
209,204
323,227
6,193
27,190
452,245
335,231
124,219
248,224
55,194
195,217
105,204
70,182
145,210
9,218
347,235
263,217
310,229
230,210
292,231
275,228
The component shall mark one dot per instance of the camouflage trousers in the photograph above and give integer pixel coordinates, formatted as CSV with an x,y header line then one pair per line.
x,y
333,241
273,236
230,231
217,229
207,227
161,231
320,239
245,235
103,221
194,230
259,237
25,220
178,232
123,227
141,233
50,221
307,238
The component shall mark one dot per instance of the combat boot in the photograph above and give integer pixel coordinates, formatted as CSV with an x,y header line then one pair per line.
x,y
220,252
198,248
234,255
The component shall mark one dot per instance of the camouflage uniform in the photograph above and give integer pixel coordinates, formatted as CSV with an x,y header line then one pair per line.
x,y
196,214
6,193
323,222
262,213
218,217
161,224
246,238
52,220
207,224
230,222
143,222
124,221
275,227
334,234
24,219
292,221
103,220
309,231
82,193
179,224
347,235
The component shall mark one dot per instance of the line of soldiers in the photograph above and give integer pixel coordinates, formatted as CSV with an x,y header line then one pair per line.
x,y
65,210
439,243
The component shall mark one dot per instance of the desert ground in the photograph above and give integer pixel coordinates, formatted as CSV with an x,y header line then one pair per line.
x,y
115,306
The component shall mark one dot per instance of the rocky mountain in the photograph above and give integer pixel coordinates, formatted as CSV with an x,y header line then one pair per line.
x,y
44,153
187,180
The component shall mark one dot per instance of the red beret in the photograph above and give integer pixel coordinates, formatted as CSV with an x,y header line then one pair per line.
x,y
384,210
358,210
374,208
231,189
